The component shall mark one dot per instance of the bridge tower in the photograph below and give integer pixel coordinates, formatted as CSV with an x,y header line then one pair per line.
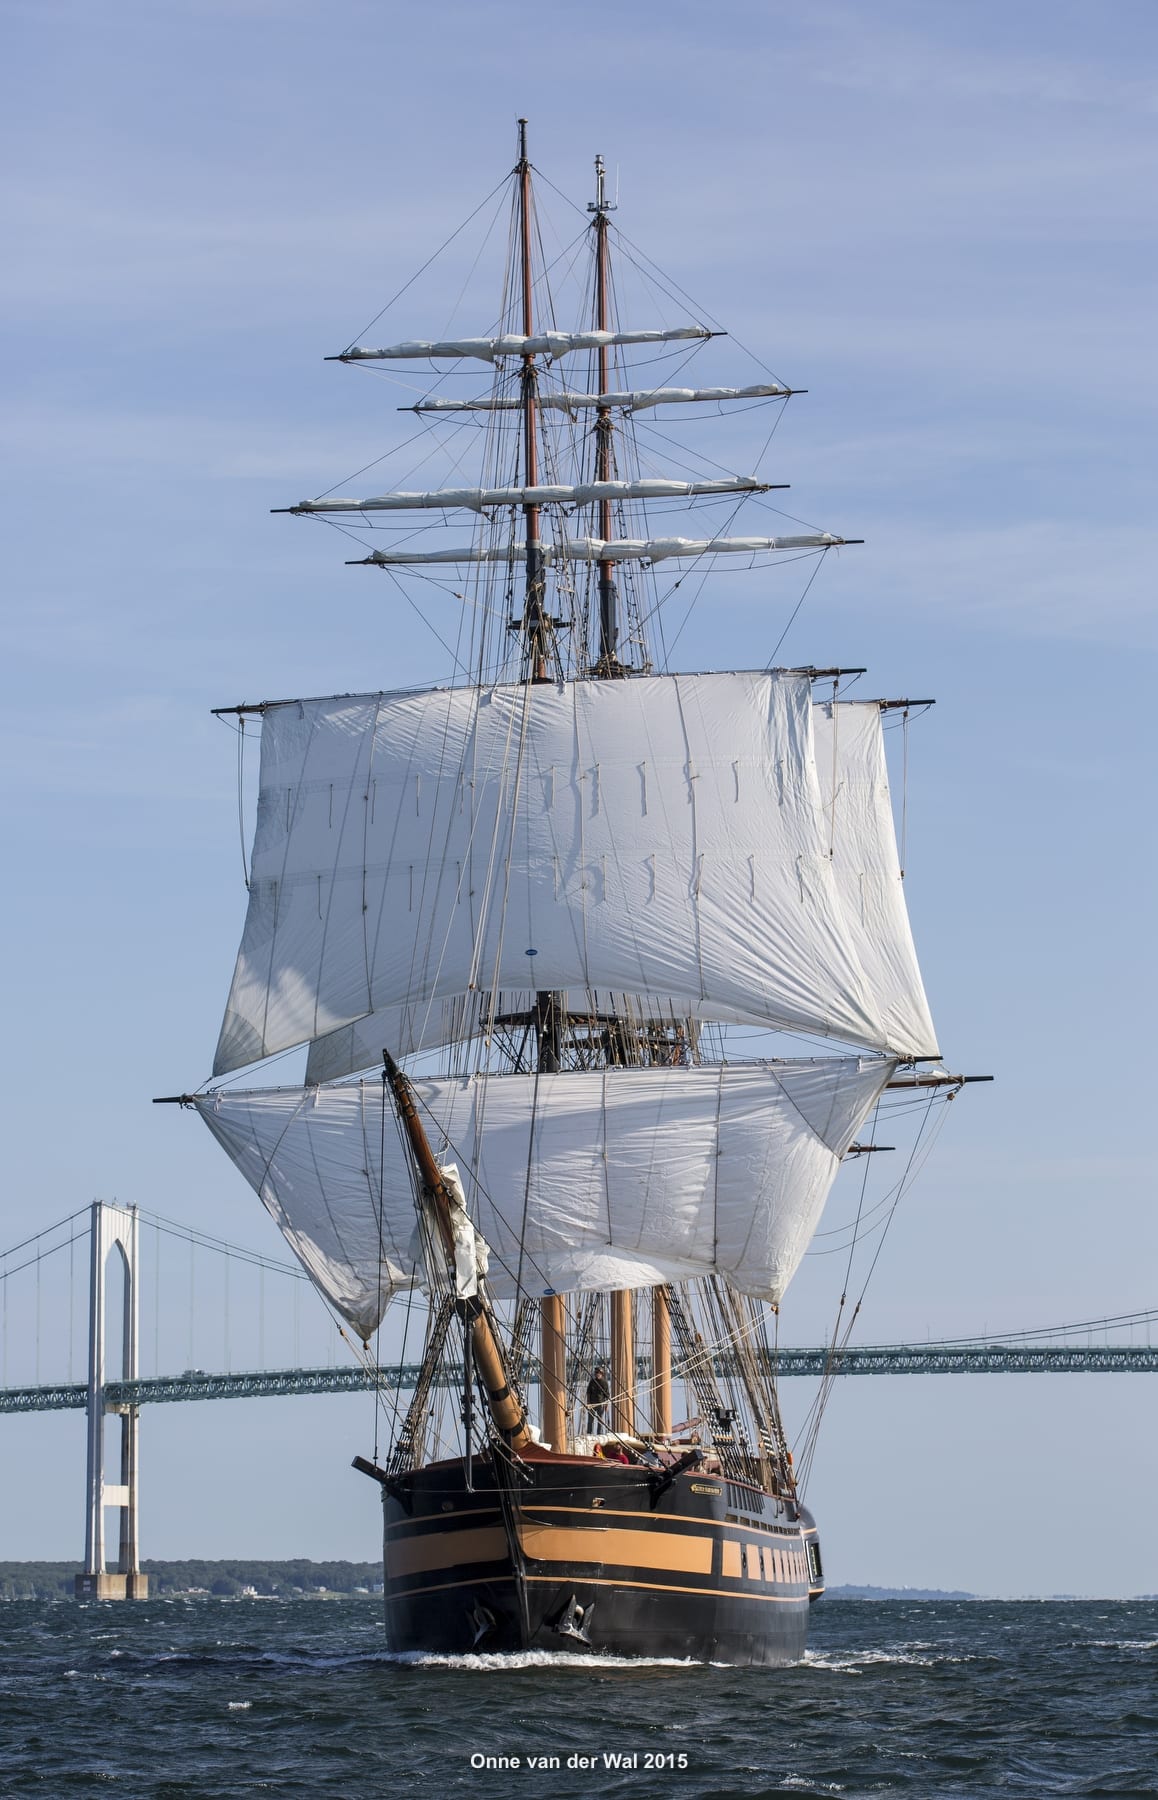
x,y
114,1230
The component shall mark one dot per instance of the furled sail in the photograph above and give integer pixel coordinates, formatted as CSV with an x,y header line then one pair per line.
x,y
613,549
541,343
633,400
407,1030
608,1178
854,779
576,493
658,836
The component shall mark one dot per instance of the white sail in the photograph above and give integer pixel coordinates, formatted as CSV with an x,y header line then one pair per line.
x,y
610,550
663,835
576,493
611,1178
543,343
630,400
853,777
850,764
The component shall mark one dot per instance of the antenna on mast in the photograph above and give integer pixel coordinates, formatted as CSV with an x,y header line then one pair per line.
x,y
600,204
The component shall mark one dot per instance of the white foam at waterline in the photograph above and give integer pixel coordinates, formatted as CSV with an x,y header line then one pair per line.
x,y
497,1661
240,1705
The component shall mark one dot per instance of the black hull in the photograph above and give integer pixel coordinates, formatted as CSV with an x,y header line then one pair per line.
x,y
587,1557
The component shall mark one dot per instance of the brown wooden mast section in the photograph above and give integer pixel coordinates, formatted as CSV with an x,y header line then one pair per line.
x,y
660,1362
622,1363
502,1399
553,1318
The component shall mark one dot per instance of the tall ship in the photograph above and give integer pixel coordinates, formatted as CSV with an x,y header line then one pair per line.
x,y
600,971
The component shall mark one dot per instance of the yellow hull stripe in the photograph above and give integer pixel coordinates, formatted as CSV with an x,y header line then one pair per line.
x,y
629,1549
412,1556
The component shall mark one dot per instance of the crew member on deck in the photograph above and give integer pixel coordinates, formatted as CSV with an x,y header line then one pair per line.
x,y
598,1395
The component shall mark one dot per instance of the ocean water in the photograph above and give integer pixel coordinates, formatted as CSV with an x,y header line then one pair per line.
x,y
209,1698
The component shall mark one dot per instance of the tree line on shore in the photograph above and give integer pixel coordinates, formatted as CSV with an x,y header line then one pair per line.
x,y
227,1579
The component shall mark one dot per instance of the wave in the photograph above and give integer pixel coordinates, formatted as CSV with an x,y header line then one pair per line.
x,y
251,1657
497,1661
854,1662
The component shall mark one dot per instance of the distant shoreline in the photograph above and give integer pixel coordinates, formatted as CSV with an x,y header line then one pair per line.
x,y
240,1578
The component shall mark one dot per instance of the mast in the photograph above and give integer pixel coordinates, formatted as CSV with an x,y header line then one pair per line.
x,y
623,1362
608,665
537,645
536,625
608,662
660,1362
553,1322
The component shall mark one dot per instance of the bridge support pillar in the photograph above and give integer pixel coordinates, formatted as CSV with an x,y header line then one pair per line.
x,y
114,1228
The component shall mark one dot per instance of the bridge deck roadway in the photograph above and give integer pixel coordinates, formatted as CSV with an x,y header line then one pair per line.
x,y
889,1359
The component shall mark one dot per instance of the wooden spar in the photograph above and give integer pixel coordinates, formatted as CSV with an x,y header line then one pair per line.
x,y
604,454
622,1364
506,1410
934,1079
660,1363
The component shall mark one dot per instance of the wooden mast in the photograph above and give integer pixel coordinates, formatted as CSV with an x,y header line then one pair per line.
x,y
622,1363
660,1362
553,1358
536,625
537,648
622,1332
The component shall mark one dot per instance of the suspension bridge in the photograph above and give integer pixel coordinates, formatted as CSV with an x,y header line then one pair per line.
x,y
117,1244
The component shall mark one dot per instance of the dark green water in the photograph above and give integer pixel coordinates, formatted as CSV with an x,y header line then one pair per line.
x,y
211,1698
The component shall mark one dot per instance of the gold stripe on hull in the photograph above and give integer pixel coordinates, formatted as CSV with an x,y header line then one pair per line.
x,y
641,1549
782,1534
450,1550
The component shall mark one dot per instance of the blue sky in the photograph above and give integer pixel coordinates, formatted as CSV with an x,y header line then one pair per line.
x,y
939,221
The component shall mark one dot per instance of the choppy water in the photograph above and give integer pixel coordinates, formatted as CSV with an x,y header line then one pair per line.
x,y
209,1698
